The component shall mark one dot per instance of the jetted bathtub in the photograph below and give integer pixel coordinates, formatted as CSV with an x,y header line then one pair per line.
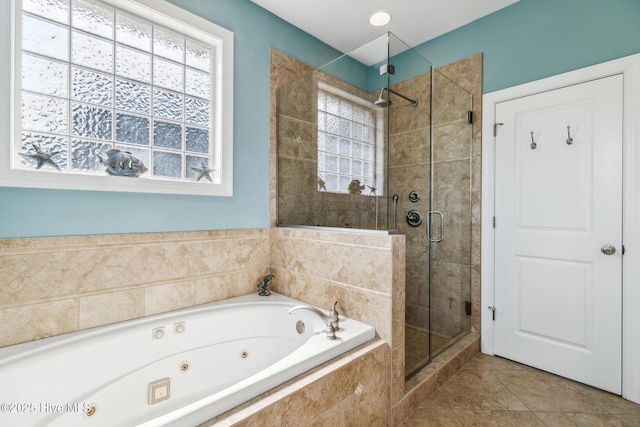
x,y
179,368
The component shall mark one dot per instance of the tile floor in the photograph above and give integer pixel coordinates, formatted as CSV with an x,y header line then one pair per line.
x,y
416,348
491,391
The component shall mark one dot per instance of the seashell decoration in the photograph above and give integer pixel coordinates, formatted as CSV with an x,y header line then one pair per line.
x,y
355,187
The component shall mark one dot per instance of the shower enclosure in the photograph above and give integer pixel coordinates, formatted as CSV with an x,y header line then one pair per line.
x,y
379,140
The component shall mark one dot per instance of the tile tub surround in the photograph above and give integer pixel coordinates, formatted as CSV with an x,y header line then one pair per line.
x,y
348,391
314,265
363,272
55,285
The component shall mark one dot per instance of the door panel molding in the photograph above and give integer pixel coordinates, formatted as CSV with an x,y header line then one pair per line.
x,y
629,67
534,278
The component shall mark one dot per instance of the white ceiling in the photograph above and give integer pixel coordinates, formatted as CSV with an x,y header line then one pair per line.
x,y
344,24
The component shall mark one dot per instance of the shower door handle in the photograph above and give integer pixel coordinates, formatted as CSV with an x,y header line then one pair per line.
x,y
429,215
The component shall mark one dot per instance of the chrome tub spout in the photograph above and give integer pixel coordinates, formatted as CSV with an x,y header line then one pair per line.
x,y
332,321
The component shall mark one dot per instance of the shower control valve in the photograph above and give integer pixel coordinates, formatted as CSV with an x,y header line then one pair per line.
x,y
414,218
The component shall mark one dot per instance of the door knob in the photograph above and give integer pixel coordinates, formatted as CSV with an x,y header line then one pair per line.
x,y
608,249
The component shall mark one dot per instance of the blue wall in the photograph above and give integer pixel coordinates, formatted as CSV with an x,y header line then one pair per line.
x,y
527,41
533,39
39,212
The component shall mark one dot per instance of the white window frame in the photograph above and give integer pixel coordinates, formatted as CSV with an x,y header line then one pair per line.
x,y
172,17
378,145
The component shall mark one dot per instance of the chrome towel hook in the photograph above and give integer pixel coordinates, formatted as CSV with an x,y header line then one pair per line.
x,y
533,143
569,139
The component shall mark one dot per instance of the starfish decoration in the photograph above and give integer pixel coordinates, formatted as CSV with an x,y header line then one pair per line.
x,y
203,171
41,157
372,190
321,184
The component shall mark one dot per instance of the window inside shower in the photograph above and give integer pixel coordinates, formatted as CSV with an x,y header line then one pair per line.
x,y
346,143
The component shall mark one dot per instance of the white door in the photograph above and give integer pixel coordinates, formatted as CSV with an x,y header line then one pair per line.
x,y
558,193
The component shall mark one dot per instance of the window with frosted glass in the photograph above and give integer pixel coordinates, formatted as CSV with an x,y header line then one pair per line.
x,y
96,79
346,146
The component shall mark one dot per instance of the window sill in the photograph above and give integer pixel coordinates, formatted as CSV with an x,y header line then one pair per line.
x,y
90,182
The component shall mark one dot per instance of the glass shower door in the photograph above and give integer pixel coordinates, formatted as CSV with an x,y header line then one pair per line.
x,y
449,220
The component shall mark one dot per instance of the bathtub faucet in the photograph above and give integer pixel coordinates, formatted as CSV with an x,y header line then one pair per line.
x,y
264,286
332,321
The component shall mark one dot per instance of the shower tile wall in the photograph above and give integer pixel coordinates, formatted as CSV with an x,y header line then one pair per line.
x,y
300,200
366,272
467,73
283,70
410,171
451,258
297,153
301,203
319,290
52,286
456,190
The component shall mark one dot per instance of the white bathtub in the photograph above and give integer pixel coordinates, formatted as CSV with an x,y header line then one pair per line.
x,y
214,356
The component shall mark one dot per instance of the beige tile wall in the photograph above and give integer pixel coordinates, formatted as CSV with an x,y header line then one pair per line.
x,y
363,272
51,286
410,170
468,74
299,201
451,258
462,159
283,70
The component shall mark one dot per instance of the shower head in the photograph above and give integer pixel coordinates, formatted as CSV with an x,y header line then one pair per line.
x,y
381,102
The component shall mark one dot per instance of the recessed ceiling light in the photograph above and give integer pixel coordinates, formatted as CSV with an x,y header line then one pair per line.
x,y
378,19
